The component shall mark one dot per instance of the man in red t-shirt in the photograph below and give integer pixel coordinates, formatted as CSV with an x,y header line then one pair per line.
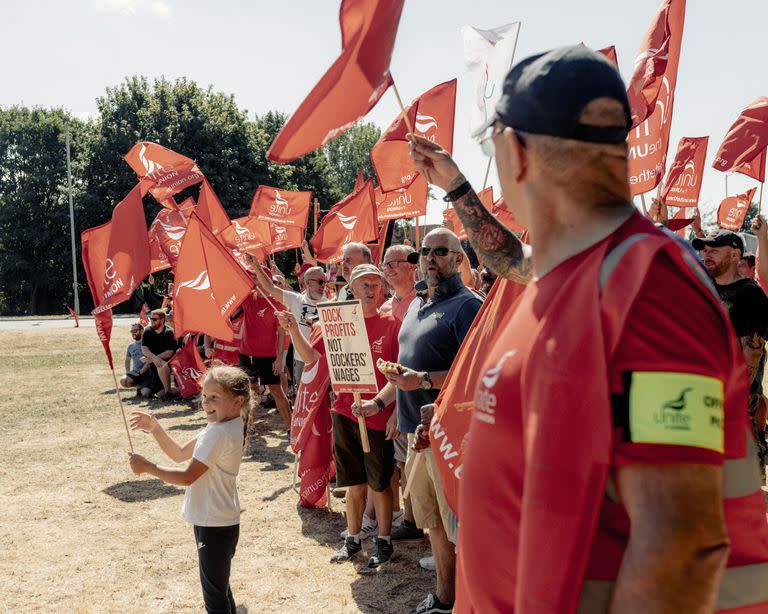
x,y
355,469
608,445
261,341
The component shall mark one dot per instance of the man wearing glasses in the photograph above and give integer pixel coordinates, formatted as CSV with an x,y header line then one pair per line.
x,y
302,306
433,328
158,344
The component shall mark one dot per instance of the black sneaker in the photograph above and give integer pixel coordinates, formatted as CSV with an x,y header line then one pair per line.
x,y
407,532
432,605
383,553
347,551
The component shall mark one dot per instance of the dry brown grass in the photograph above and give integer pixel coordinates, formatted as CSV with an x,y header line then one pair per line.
x,y
81,533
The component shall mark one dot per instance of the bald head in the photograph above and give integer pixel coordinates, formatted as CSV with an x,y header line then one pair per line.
x,y
447,237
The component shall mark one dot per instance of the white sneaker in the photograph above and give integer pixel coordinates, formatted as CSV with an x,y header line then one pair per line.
x,y
367,530
428,563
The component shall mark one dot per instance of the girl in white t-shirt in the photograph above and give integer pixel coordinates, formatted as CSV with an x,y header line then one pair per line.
x,y
210,499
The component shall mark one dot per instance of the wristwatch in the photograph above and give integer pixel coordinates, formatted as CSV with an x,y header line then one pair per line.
x,y
426,382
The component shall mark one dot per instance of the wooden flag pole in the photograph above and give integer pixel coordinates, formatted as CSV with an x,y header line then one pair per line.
x,y
361,424
487,172
407,122
411,473
642,202
317,207
122,410
266,297
417,237
760,200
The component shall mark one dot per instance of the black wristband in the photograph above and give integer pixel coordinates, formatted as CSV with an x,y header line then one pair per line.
x,y
456,194
379,403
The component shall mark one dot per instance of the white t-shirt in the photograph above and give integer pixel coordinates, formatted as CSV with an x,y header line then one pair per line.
x,y
211,500
304,310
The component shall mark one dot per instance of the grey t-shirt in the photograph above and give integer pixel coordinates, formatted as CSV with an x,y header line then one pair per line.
x,y
134,351
429,340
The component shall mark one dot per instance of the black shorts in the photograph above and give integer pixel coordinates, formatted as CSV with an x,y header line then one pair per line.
x,y
259,369
152,379
353,466
142,380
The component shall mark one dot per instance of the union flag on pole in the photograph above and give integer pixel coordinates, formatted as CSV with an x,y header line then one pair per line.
x,y
683,182
352,85
352,220
650,66
163,171
188,369
488,56
733,210
402,203
432,116
209,285
455,403
167,231
649,141
284,237
247,234
157,257
283,207
743,149
116,254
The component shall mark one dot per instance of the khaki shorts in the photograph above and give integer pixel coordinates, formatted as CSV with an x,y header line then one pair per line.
x,y
430,509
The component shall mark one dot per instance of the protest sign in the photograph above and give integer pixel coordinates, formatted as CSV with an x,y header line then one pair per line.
x,y
350,362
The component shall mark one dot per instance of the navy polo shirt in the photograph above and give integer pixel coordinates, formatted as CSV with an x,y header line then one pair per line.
x,y
429,339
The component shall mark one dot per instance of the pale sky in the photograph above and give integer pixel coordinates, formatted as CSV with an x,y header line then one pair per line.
x,y
269,54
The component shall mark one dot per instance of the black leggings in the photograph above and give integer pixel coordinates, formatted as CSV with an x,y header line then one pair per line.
x,y
215,549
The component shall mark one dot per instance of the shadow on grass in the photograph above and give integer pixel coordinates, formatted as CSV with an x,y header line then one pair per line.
x,y
175,413
134,491
276,494
185,427
258,450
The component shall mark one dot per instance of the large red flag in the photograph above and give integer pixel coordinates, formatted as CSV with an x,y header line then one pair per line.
x,y
432,116
282,207
353,84
454,405
402,203
743,149
683,182
188,369
163,171
209,285
650,66
167,231
733,210
247,234
116,254
285,238
311,432
210,210
648,142
353,220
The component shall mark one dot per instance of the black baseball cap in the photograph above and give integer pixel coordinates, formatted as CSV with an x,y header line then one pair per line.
x,y
724,238
546,94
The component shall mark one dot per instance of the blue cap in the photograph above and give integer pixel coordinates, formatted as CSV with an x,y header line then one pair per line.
x,y
546,94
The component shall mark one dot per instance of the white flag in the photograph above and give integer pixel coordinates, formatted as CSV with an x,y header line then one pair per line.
x,y
488,55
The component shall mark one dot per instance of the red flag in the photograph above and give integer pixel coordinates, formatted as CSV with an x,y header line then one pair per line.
x,y
610,53
282,207
678,222
74,315
360,181
402,203
450,215
743,149
103,322
158,260
188,369
167,232
353,220
115,262
143,317
210,211
311,432
650,66
162,170
505,216
685,173
209,285
432,116
733,210
454,405
648,142
285,238
353,84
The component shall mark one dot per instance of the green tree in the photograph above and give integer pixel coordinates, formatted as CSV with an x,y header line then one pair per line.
x,y
350,152
35,253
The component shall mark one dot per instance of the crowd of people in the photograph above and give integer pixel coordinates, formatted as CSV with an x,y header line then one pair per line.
x,y
613,450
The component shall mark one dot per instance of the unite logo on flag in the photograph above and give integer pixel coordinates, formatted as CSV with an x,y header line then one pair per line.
x,y
242,234
201,282
280,206
175,233
112,282
150,166
191,373
426,125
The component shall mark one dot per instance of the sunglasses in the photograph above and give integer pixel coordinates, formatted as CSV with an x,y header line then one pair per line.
x,y
438,251
488,147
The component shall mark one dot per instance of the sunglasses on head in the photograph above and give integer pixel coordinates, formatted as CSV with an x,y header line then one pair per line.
x,y
438,251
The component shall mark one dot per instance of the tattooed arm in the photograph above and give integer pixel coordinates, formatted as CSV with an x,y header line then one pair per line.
x,y
752,346
496,245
